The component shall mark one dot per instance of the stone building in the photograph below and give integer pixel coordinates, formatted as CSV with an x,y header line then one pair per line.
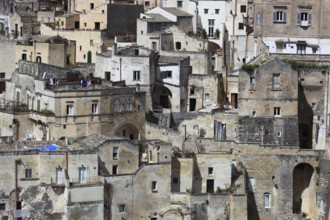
x,y
268,105
59,103
292,27
51,50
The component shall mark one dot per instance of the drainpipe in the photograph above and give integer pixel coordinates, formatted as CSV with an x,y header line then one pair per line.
x,y
16,163
120,67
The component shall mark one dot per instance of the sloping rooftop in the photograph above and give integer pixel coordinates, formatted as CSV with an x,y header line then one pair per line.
x,y
177,12
157,18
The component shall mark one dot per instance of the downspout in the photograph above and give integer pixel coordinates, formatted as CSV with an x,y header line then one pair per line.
x,y
17,161
120,67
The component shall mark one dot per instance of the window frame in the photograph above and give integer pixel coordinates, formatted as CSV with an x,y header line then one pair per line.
x,y
277,111
95,109
115,154
243,9
82,175
69,109
28,173
136,75
279,16
268,197
154,186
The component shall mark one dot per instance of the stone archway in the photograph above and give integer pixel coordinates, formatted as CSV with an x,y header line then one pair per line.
x,y
128,130
303,189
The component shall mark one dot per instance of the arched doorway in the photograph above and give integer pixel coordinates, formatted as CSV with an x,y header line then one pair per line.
x,y
128,130
89,57
303,189
163,96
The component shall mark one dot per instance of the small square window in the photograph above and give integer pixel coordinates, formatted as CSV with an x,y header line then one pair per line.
x,y
206,11
69,109
277,111
210,171
114,169
121,208
252,80
147,3
28,173
136,75
207,97
217,11
243,8
179,4
2,75
115,153
94,108
240,26
267,200
154,186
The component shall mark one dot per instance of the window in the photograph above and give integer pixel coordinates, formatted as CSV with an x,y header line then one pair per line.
x,y
166,74
276,80
28,173
91,43
23,56
304,19
313,105
267,199
69,109
178,45
114,169
217,11
38,59
243,8
76,24
92,6
97,25
277,111
121,208
38,105
258,19
207,97
85,24
2,75
279,134
136,75
301,48
80,47
254,113
2,206
147,3
211,28
240,26
59,178
117,107
210,171
94,108
179,4
154,45
192,91
128,106
115,153
279,16
206,11
67,59
82,175
252,80
175,180
154,186
150,155
107,75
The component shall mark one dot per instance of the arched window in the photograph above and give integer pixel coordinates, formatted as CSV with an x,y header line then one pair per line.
x,y
38,59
